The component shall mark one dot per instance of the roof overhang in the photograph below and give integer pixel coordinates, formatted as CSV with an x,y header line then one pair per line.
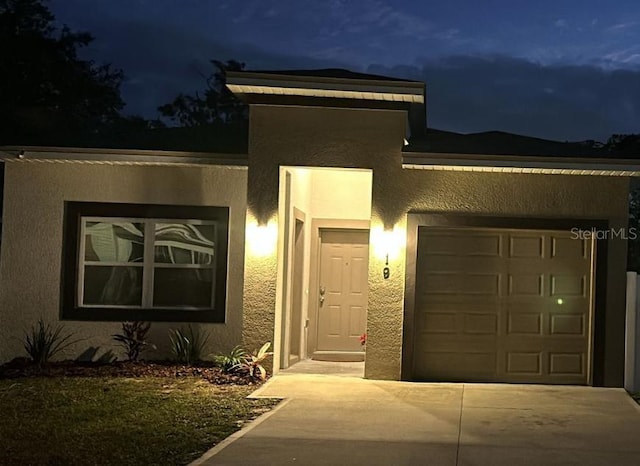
x,y
115,156
520,164
263,84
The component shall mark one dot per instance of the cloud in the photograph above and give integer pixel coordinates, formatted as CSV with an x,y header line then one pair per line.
x,y
472,94
623,26
627,56
561,23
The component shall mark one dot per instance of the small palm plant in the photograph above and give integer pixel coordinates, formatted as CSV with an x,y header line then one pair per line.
x,y
232,361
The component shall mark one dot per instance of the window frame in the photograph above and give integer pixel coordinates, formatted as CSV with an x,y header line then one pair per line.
x,y
73,261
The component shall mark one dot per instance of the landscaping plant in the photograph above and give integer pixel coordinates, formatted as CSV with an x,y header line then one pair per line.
x,y
42,342
188,346
231,361
253,362
133,338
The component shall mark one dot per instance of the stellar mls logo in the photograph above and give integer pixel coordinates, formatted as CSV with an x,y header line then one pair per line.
x,y
611,233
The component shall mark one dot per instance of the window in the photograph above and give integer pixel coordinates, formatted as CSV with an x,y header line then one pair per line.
x,y
144,262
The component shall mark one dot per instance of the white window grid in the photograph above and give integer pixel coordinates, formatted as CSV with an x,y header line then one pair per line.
x,y
148,264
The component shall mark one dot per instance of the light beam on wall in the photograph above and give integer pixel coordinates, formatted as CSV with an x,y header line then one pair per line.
x,y
387,242
262,239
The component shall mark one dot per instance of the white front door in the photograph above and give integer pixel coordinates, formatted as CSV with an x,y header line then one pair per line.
x,y
343,293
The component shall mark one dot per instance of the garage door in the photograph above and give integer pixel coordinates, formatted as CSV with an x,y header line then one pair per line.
x,y
502,306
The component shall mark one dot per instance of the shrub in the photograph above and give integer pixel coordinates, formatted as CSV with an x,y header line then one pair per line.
x,y
253,362
42,342
231,361
133,338
188,346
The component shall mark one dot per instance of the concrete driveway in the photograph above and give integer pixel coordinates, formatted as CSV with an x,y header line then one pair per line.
x,y
330,420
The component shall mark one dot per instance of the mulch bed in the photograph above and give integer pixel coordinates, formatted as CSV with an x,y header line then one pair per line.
x,y
22,367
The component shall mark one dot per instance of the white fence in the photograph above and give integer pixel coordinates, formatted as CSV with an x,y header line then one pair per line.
x,y
632,334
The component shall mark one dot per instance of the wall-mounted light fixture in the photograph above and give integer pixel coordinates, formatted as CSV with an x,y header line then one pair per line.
x,y
387,245
262,238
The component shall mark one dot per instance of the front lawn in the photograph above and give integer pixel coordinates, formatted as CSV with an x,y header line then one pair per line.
x,y
106,420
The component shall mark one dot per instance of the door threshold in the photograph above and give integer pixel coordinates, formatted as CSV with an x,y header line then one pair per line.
x,y
338,356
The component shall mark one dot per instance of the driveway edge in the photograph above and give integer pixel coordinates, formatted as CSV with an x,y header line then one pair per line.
x,y
240,433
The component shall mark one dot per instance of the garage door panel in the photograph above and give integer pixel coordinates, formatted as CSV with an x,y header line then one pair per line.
x,y
568,285
528,247
563,247
469,283
461,264
543,342
571,364
475,366
438,322
480,324
459,322
520,315
519,363
524,323
567,324
474,244
526,284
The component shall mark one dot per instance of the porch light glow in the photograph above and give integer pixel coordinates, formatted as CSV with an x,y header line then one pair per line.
x,y
387,243
262,239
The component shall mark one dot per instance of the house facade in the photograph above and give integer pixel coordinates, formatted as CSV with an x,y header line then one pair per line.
x,y
454,267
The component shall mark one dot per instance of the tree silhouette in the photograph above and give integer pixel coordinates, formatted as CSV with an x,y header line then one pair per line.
x,y
45,88
633,252
628,146
217,104
624,144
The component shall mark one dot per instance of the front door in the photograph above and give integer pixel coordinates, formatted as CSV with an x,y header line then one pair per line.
x,y
342,307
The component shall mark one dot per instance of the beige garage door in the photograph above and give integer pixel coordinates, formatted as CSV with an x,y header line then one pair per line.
x,y
502,306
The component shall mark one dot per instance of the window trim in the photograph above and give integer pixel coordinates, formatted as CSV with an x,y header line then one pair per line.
x,y
75,211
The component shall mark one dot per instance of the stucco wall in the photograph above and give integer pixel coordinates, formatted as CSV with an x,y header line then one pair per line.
x,y
302,136
350,190
32,240
356,138
540,196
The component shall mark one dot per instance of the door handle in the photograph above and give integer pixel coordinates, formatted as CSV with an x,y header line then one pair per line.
x,y
322,291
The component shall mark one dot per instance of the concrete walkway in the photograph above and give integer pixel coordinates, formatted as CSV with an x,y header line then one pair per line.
x,y
332,420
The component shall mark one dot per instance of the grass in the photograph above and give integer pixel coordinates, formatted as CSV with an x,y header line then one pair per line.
x,y
124,421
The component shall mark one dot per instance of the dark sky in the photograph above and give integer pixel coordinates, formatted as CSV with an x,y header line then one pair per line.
x,y
558,69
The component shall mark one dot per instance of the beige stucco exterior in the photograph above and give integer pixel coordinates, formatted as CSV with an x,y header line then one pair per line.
x,y
30,265
357,138
289,136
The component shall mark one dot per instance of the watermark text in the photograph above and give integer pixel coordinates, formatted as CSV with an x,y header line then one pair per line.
x,y
610,233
